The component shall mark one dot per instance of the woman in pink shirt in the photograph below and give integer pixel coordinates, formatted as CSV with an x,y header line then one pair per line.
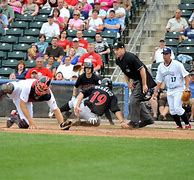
x,y
76,23
105,4
59,20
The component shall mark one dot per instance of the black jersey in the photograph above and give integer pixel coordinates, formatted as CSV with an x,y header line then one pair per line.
x,y
101,99
85,83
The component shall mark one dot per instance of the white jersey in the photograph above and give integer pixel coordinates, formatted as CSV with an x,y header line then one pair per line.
x,y
172,75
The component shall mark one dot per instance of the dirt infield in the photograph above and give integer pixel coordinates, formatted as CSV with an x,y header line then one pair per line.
x,y
164,130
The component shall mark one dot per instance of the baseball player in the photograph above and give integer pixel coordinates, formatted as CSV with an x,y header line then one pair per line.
x,y
23,93
85,81
176,78
100,99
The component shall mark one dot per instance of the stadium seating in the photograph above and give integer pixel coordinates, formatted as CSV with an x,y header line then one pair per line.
x,y
9,39
172,35
37,24
172,42
27,39
15,32
45,11
89,33
16,55
10,63
32,32
6,71
25,17
186,6
21,47
41,18
3,55
5,47
187,2
30,63
19,24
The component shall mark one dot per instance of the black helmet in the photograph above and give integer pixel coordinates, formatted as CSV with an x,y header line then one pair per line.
x,y
88,65
106,82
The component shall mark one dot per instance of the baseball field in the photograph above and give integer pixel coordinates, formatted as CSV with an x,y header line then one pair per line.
x,y
96,153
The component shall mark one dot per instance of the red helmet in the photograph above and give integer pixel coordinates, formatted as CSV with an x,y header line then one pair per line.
x,y
41,85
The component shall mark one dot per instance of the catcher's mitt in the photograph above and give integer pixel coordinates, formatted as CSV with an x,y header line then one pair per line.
x,y
77,68
186,96
66,125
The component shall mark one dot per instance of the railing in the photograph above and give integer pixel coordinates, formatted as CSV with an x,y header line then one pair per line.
x,y
143,29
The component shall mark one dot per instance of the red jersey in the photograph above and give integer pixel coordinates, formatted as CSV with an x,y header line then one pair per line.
x,y
64,43
71,2
96,59
41,72
83,43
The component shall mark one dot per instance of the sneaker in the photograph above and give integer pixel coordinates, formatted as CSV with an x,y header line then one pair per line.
x,y
145,123
188,126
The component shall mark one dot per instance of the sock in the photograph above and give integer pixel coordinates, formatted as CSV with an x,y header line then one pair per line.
x,y
177,120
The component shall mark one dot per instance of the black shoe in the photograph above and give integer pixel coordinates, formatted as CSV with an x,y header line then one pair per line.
x,y
145,123
12,119
133,125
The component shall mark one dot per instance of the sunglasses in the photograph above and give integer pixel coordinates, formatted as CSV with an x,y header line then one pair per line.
x,y
76,14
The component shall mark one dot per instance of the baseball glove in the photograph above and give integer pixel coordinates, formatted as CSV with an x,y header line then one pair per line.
x,y
186,96
77,68
66,125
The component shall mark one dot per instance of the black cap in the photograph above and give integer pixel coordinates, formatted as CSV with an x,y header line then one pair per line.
x,y
162,40
50,16
119,45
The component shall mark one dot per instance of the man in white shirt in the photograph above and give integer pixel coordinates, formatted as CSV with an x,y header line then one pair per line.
x,y
50,28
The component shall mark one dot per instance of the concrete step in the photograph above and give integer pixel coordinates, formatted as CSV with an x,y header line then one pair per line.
x,y
145,57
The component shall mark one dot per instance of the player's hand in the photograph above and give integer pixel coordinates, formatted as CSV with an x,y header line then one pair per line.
x,y
145,89
32,126
124,125
77,110
131,85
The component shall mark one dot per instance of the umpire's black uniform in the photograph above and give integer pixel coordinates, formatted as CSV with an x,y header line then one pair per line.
x,y
130,64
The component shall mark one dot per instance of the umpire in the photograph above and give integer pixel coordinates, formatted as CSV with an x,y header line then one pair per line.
x,y
139,81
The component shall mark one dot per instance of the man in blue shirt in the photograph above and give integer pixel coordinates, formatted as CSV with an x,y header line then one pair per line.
x,y
3,20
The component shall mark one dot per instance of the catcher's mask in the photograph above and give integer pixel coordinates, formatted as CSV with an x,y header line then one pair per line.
x,y
88,65
106,82
42,85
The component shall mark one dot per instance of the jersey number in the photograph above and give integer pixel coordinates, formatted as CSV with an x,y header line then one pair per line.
x,y
101,98
173,79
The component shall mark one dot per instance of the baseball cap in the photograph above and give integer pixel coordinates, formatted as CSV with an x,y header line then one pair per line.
x,y
50,16
75,40
166,51
119,45
162,40
34,71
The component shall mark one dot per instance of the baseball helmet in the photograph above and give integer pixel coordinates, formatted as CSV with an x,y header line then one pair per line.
x,y
88,65
106,82
42,85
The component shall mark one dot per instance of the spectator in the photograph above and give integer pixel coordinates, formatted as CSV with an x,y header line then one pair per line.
x,y
112,23
16,5
76,23
59,76
34,74
55,50
157,55
102,48
8,11
12,76
191,87
191,17
101,12
33,52
41,70
79,50
3,20
42,44
20,71
106,4
86,7
40,3
95,23
30,8
58,19
119,13
126,4
73,57
189,32
71,3
64,42
67,69
50,64
79,7
64,12
94,57
177,24
82,42
50,28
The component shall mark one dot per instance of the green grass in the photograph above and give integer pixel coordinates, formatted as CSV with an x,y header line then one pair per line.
x,y
48,157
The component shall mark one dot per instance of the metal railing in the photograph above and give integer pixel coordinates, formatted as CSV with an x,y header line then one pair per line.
x,y
143,29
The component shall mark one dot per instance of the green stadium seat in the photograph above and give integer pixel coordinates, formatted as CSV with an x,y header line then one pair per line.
x,y
71,33
9,63
30,63
45,11
186,6
89,39
3,77
172,35
89,33
15,32
110,41
154,66
41,18
48,39
16,55
6,71
5,47
36,24
187,1
186,13
9,39
3,55
19,24
24,17
187,42
172,42
32,32
2,32
109,34
21,47
27,39
186,50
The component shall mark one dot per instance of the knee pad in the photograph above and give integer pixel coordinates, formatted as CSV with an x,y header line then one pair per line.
x,y
23,124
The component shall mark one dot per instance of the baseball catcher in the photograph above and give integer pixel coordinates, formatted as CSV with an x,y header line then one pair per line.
x,y
23,93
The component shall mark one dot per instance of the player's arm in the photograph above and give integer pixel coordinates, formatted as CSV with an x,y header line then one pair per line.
x,y
75,91
121,119
25,111
144,79
77,106
157,89
187,80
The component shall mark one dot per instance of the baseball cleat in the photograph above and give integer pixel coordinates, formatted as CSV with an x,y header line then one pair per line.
x,y
145,123
179,127
188,126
